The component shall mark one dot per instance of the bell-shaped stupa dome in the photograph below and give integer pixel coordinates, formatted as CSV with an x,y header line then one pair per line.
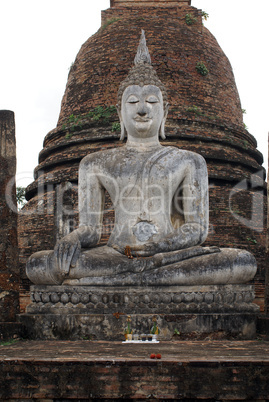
x,y
205,116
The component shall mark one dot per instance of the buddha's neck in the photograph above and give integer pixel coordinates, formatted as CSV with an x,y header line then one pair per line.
x,y
143,144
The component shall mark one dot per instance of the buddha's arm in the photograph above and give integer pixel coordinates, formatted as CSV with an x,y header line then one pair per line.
x,y
91,200
195,210
91,204
195,200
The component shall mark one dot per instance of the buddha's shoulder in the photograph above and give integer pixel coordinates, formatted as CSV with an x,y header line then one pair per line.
x,y
184,154
119,154
101,156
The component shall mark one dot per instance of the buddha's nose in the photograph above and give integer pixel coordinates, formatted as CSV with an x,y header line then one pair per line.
x,y
142,111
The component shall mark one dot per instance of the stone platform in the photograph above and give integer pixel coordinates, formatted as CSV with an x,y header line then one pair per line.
x,y
89,371
79,312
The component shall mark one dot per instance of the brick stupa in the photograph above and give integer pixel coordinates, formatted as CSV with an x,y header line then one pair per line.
x,y
205,117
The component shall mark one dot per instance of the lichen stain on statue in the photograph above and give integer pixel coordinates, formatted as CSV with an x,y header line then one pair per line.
x,y
160,197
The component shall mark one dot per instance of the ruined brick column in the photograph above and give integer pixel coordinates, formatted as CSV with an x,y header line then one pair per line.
x,y
9,275
267,250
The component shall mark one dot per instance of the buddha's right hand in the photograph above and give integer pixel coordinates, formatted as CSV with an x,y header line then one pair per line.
x,y
66,253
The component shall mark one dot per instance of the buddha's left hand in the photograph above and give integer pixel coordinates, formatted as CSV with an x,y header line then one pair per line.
x,y
187,235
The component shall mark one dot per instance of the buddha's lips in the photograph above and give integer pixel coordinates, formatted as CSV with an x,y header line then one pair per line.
x,y
141,120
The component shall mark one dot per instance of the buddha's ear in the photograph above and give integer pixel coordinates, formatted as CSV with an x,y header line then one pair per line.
x,y
122,127
166,108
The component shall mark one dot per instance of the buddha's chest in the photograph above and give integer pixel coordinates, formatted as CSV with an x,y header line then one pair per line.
x,y
145,179
143,168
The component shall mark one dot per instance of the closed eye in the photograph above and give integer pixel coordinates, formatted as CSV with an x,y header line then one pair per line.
x,y
152,99
132,99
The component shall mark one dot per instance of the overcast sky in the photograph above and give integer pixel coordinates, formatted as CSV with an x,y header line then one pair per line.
x,y
39,40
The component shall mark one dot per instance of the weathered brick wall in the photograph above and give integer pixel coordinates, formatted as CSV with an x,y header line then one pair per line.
x,y
36,231
9,278
175,49
89,371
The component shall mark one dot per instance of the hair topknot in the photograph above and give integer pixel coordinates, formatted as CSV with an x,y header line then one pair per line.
x,y
142,73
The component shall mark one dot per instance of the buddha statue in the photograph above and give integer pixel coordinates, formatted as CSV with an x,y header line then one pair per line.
x,y
160,198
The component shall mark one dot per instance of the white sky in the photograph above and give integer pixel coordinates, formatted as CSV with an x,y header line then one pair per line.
x,y
39,39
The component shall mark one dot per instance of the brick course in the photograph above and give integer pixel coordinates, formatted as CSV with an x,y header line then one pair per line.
x,y
146,3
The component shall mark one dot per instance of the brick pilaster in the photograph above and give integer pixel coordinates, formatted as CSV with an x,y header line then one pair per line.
x,y
9,278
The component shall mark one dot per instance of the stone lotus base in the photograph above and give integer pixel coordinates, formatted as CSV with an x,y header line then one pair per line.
x,y
64,312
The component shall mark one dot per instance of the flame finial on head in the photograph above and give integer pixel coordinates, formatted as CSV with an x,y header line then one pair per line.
x,y
142,55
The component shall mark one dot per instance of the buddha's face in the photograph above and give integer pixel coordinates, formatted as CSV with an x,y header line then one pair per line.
x,y
142,111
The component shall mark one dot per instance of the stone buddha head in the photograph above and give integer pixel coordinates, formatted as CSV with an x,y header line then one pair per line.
x,y
142,99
